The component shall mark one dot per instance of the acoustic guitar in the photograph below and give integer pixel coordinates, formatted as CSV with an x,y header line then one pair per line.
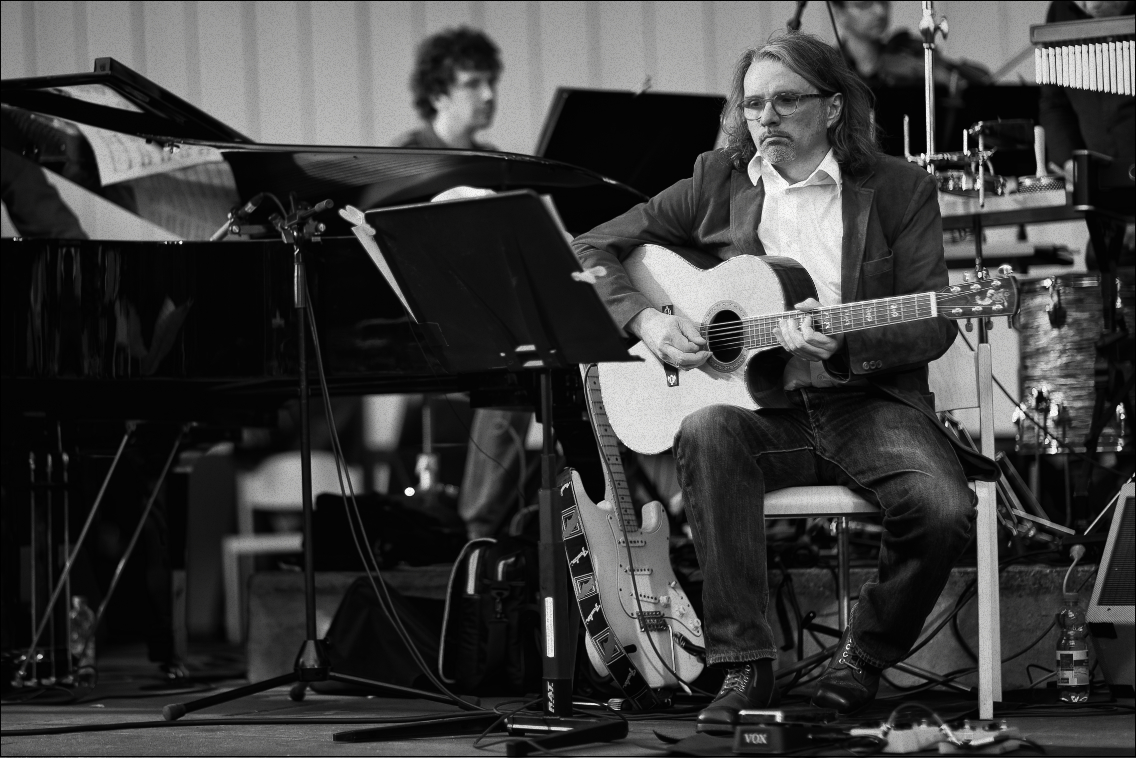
x,y
736,305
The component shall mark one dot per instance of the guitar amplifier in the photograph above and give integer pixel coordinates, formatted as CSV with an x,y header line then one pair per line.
x,y
1113,606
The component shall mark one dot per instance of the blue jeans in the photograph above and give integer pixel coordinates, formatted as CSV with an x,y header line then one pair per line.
x,y
889,453
493,482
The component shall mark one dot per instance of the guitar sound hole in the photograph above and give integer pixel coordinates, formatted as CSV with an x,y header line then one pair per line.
x,y
725,336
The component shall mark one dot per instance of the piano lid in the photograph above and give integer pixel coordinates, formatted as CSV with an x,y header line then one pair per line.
x,y
118,98
386,175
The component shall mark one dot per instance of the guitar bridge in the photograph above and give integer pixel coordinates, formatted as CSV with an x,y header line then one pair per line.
x,y
652,621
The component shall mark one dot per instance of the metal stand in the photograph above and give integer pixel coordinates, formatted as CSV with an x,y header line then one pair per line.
x,y
986,525
311,661
557,613
64,581
989,632
513,302
1115,370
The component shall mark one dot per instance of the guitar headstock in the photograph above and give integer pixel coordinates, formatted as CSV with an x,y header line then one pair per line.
x,y
984,298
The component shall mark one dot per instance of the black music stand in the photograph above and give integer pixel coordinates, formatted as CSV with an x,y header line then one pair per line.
x,y
494,285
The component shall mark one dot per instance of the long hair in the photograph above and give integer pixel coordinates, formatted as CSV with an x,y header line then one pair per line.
x,y
852,136
439,57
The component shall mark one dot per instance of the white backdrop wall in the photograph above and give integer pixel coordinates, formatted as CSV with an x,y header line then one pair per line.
x,y
336,72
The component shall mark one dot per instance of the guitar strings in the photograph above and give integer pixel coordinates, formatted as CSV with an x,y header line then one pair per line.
x,y
905,304
758,331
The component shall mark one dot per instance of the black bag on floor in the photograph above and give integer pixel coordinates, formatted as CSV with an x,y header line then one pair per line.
x,y
491,626
417,533
362,642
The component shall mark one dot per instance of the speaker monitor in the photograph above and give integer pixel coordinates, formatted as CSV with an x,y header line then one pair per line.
x,y
1111,610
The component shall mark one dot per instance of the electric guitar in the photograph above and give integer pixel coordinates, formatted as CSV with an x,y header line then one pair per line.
x,y
640,626
737,304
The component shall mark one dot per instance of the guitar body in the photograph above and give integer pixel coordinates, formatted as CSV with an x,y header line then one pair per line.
x,y
655,583
636,615
646,401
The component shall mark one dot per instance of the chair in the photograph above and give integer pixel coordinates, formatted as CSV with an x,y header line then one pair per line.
x,y
384,417
953,380
273,486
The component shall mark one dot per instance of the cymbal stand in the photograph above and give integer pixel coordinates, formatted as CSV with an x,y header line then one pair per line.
x,y
312,663
990,644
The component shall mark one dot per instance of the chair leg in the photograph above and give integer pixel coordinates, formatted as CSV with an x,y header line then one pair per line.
x,y
843,573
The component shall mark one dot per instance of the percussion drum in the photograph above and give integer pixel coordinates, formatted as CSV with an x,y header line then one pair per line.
x,y
1060,321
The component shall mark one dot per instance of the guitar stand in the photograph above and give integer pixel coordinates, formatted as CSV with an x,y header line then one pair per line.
x,y
312,663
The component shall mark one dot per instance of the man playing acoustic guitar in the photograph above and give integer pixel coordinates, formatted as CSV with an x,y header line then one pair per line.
x,y
801,177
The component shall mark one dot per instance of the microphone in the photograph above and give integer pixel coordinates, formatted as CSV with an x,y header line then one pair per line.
x,y
238,213
794,24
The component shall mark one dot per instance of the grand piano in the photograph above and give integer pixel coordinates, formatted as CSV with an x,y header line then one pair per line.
x,y
202,331
181,332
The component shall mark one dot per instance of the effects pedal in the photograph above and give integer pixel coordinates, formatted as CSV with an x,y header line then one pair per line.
x,y
776,731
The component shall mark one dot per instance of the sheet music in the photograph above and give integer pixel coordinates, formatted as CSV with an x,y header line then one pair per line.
x,y
366,236
122,157
551,206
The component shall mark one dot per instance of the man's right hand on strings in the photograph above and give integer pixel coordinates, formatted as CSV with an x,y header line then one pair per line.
x,y
672,339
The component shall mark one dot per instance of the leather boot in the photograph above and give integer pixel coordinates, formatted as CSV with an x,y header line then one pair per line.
x,y
849,683
749,686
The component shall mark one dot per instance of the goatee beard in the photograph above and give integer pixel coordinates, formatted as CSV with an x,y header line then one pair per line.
x,y
776,154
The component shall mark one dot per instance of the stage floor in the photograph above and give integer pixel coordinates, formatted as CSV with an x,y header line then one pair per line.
x,y
129,692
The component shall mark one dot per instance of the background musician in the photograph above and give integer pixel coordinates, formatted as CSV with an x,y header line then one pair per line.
x,y
802,177
1079,119
454,85
896,59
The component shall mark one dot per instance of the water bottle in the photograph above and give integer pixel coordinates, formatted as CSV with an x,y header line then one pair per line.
x,y
82,642
1072,652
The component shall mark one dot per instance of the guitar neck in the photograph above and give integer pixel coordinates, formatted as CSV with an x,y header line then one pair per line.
x,y
757,331
619,494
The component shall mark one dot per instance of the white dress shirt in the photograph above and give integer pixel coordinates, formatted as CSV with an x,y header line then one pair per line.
x,y
803,221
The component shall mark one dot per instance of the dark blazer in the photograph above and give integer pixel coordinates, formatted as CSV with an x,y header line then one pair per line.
x,y
893,245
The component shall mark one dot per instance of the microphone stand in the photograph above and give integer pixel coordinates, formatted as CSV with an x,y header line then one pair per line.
x,y
312,664
794,23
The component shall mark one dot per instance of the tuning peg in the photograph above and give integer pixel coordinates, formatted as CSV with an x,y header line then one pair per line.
x,y
1010,323
969,325
989,324
1005,269
966,276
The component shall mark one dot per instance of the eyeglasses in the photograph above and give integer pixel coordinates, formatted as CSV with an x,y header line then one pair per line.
x,y
784,104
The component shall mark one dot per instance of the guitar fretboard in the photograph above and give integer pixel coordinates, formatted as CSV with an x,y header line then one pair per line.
x,y
613,461
757,331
